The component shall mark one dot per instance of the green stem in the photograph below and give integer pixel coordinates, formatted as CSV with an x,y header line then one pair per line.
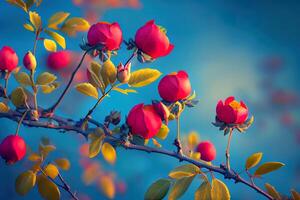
x,y
20,122
228,149
35,90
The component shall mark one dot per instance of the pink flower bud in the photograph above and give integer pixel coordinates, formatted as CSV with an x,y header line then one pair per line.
x,y
106,34
123,74
59,60
12,149
144,121
207,150
8,59
152,40
232,111
29,61
162,110
175,86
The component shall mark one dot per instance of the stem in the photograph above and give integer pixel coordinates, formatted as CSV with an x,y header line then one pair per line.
x,y
34,88
228,149
177,142
67,187
20,122
7,75
178,127
131,57
52,108
35,41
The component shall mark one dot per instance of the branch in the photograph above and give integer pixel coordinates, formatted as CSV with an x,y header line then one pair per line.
x,y
65,125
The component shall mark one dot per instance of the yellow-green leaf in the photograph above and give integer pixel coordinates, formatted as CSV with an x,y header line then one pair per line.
x,y
180,187
47,189
295,195
57,19
35,19
143,77
163,132
272,191
49,45
124,91
158,190
203,192
109,153
95,77
156,143
219,190
18,97
63,163
18,3
253,160
3,108
95,145
267,168
46,89
25,182
28,27
45,78
87,89
75,24
108,72
51,171
46,149
23,78
184,171
57,37
34,157
107,186
193,139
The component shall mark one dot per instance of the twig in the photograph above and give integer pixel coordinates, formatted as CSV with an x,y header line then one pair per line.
x,y
67,188
227,154
20,121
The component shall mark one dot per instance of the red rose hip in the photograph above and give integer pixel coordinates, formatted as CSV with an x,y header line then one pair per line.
x,y
175,86
12,149
207,151
59,60
8,59
29,61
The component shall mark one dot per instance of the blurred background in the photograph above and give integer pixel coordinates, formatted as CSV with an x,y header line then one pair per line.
x,y
249,49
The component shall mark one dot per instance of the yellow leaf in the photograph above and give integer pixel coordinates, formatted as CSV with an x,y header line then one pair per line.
x,y
95,145
272,191
25,182
46,149
18,97
18,3
267,167
35,19
94,75
87,89
56,19
108,72
184,171
158,190
57,37
28,27
193,139
75,24
51,171
3,108
295,195
253,160
49,45
109,153
63,163
23,78
34,157
143,77
45,78
196,155
156,143
46,89
219,190
203,192
180,187
124,91
47,189
107,186
163,132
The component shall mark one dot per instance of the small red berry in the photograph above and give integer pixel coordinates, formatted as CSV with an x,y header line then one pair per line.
x,y
8,59
12,149
59,60
207,151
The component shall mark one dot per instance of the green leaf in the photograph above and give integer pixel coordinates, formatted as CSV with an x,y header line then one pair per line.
x,y
49,45
109,153
253,160
45,78
184,171
203,192
25,182
28,27
87,89
23,79
143,77
272,191
219,190
57,37
108,72
163,132
158,190
180,187
47,189
46,89
124,91
267,168
18,97
57,19
35,20
95,77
